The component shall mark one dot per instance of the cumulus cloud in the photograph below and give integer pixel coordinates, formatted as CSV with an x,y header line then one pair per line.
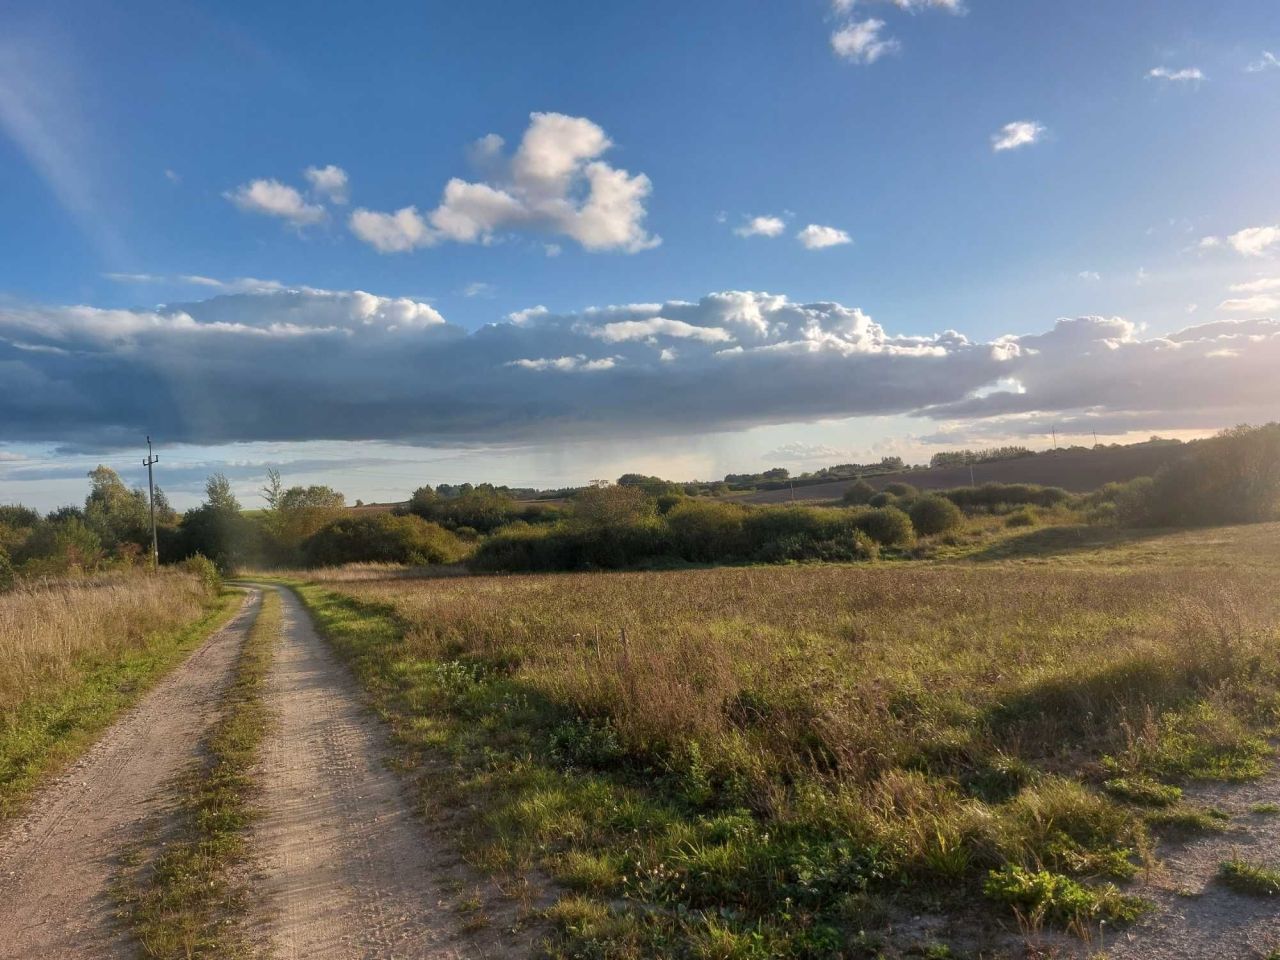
x,y
1255,241
1019,133
555,183
1184,75
817,237
767,226
911,6
303,363
275,199
328,181
862,41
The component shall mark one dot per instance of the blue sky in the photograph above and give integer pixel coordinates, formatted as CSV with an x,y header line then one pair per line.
x,y
167,141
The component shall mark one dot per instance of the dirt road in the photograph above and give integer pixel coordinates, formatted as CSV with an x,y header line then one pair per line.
x,y
1197,917
56,863
345,869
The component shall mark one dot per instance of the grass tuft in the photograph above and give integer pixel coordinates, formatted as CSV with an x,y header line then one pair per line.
x,y
1250,878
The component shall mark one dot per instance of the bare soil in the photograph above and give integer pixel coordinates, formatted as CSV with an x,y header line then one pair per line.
x,y
345,867
57,861
1198,918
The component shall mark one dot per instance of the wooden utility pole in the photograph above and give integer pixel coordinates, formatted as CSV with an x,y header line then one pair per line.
x,y
151,461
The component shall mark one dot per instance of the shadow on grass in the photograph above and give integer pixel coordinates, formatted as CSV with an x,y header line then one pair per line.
x,y
1048,542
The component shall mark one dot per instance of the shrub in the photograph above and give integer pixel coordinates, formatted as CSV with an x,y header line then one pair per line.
x,y
8,577
382,538
778,534
933,515
205,570
887,526
900,489
1026,517
883,499
1231,478
703,531
859,493
991,496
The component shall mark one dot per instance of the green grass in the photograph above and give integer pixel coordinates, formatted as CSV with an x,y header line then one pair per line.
x,y
1040,896
62,719
744,762
178,895
1250,878
1265,809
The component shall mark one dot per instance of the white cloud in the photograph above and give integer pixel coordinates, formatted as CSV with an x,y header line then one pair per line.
x,y
275,199
328,181
861,41
1210,243
479,289
798,451
575,364
555,182
766,226
1019,133
817,237
1255,241
392,232
1269,61
1185,75
172,176
1261,285
1093,275
623,330
1258,304
911,6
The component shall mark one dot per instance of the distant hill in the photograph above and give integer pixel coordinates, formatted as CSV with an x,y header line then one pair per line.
x,y
1076,470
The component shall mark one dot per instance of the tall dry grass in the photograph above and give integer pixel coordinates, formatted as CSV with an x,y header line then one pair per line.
x,y
49,628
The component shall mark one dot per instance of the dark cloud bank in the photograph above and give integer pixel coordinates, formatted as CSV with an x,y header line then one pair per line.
x,y
311,364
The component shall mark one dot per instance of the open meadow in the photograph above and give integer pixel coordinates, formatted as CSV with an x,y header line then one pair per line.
x,y
799,760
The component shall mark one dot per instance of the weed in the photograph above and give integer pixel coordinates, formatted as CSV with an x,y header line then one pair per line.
x,y
1251,878
1050,897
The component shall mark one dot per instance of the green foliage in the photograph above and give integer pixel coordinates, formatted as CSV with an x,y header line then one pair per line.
x,y
995,496
218,494
206,570
119,517
858,493
61,545
1231,478
1024,517
1251,878
903,490
960,458
887,526
382,538
1143,790
883,499
932,515
8,576
1050,897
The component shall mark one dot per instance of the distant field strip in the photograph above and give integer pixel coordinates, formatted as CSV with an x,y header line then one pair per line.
x,y
765,761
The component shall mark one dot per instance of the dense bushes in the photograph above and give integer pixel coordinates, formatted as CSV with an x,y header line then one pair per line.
x,y
859,493
1231,478
696,531
932,515
382,538
991,496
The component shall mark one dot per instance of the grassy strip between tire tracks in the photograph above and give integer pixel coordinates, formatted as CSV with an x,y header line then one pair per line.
x,y
52,729
179,895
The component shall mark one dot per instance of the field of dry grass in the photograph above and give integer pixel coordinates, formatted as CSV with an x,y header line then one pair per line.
x,y
764,761
75,651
